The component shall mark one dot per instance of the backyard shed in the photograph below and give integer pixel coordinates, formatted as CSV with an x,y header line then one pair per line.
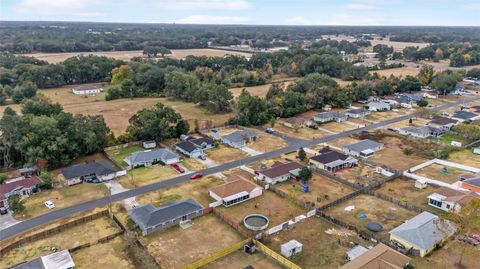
x,y
354,252
291,248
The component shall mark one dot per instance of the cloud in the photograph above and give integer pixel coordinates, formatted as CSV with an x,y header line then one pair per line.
x,y
206,19
360,6
201,4
83,8
472,6
299,20
358,19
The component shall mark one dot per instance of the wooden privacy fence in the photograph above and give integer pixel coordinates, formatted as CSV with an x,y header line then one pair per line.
x,y
279,258
340,200
335,178
217,255
230,222
395,201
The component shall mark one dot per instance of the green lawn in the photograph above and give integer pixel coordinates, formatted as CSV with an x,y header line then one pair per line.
x,y
119,154
448,137
147,175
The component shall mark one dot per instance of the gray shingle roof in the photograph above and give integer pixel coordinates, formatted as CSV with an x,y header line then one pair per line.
x,y
358,111
239,136
329,114
201,140
149,216
187,146
150,155
464,115
100,168
329,157
363,145
422,130
424,230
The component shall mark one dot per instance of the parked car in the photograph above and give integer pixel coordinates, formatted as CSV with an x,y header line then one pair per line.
x,y
202,157
269,131
196,176
313,126
178,168
49,204
3,211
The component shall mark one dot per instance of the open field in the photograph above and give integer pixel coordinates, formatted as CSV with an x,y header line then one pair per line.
x,y
225,154
466,157
195,189
376,211
267,142
260,90
448,257
113,255
61,197
386,115
84,233
361,174
65,96
269,204
177,247
301,133
127,55
147,175
239,260
337,127
320,250
397,72
15,107
119,155
436,171
322,190
397,45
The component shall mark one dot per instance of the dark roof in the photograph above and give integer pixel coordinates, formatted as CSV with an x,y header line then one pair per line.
x,y
329,157
100,168
363,145
32,264
325,150
199,141
25,183
150,155
186,146
473,181
281,169
443,121
86,87
149,216
464,115
358,111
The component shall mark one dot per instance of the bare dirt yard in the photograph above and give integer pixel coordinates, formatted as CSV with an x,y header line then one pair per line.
x,y
437,172
240,259
127,55
142,176
88,232
449,256
361,174
387,214
177,247
267,142
320,250
225,154
113,255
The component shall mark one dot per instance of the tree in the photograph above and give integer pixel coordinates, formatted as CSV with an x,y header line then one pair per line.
x,y
305,174
422,103
47,180
426,74
15,203
250,110
163,51
121,73
474,73
438,54
446,81
409,84
301,154
3,178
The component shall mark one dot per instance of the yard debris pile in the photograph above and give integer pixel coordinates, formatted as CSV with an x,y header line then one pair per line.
x,y
341,232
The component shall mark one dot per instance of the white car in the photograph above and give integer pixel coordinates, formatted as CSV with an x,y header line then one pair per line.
x,y
49,204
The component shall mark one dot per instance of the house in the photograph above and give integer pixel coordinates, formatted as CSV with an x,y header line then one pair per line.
x,y
329,116
189,149
380,256
412,97
93,171
474,109
357,113
296,122
57,260
235,191
332,161
86,89
463,116
355,252
150,157
422,233
364,148
448,199
291,248
240,138
150,219
472,183
442,123
202,142
476,151
279,172
378,106
24,187
151,144
29,171
420,131
404,102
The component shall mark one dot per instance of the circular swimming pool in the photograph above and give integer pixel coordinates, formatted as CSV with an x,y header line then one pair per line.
x,y
256,222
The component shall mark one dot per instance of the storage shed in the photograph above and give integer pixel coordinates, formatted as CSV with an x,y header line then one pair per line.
x,y
291,248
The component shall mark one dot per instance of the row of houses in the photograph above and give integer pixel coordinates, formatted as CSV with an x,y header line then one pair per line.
x,y
194,147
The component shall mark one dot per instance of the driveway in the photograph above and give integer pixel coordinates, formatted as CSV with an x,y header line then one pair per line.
x,y
115,187
7,221
251,151
209,163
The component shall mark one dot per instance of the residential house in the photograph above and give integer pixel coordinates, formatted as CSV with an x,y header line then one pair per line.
x,y
357,113
378,106
29,171
471,183
332,161
240,138
412,97
58,260
442,123
296,122
380,256
150,157
420,131
474,109
404,102
235,191
92,171
448,199
151,144
202,142
24,187
422,233
189,149
150,219
86,89
328,116
364,148
279,172
463,116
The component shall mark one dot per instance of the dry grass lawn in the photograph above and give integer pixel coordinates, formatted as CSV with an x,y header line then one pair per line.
x,y
225,154
376,211
448,257
240,259
337,127
177,247
119,155
387,115
267,142
192,164
361,174
301,133
147,175
435,171
260,90
397,72
112,255
84,233
61,197
15,107
465,157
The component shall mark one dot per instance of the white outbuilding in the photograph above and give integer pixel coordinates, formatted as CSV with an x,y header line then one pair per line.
x,y
291,248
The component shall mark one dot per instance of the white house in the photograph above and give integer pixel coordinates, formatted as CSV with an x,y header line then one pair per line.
x,y
364,148
235,191
378,106
86,89
448,199
149,144
279,172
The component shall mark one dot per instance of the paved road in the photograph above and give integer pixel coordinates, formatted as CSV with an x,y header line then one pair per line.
x,y
293,146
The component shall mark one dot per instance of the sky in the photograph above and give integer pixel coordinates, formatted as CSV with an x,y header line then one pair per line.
x,y
256,12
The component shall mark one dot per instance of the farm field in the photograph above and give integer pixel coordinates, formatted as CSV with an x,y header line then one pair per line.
x,y
127,55
239,259
436,171
147,175
88,232
225,154
321,190
376,210
177,247
320,250
61,197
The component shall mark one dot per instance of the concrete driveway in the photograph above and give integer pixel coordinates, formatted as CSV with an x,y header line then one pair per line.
x,y
7,221
115,187
250,151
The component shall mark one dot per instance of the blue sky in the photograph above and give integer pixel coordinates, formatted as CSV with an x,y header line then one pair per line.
x,y
298,12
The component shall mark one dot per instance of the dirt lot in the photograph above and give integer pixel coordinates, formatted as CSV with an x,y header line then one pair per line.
x,y
278,210
267,142
127,55
361,174
301,133
196,189
112,253
240,259
436,171
320,250
62,197
448,257
386,115
86,232
260,90
376,211
322,190
119,155
337,127
225,154
147,175
177,247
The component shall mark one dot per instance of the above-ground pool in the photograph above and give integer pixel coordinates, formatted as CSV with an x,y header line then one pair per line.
x,y
256,222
